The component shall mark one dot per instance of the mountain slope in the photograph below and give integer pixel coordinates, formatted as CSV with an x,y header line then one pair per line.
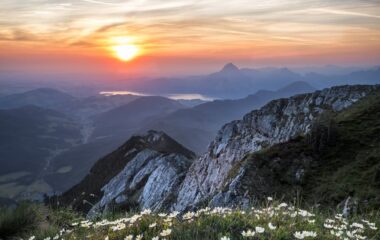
x,y
128,118
29,137
146,171
94,105
340,158
42,97
278,121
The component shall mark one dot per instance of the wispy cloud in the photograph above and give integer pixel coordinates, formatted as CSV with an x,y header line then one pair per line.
x,y
102,2
344,12
194,26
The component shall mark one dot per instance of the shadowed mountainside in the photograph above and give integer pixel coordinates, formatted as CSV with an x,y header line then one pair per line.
x,y
41,97
126,119
29,138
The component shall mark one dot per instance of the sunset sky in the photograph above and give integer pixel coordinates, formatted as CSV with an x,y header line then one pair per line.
x,y
174,37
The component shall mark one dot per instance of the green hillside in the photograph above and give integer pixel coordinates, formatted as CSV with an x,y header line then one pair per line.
x,y
339,158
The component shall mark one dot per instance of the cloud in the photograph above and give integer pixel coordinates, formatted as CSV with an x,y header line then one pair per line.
x,y
102,3
344,12
191,25
18,35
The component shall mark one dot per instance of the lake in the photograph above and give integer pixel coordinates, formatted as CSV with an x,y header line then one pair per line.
x,y
174,96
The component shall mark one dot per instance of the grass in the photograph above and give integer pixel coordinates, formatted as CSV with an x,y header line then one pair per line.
x,y
22,219
34,219
277,221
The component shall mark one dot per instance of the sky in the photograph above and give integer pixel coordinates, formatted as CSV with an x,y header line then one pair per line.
x,y
184,36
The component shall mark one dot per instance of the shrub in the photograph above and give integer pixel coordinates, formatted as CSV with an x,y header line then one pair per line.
x,y
21,219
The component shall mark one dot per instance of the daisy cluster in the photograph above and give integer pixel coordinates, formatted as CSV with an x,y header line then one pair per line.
x,y
272,221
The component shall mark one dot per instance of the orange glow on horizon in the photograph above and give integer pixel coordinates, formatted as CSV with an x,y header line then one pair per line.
x,y
182,34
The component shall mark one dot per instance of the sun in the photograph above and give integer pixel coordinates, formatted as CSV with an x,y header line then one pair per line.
x,y
125,52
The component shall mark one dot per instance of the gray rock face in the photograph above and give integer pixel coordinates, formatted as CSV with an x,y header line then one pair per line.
x,y
149,181
278,121
145,172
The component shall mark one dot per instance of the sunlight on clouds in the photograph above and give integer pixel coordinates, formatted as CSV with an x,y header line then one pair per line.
x,y
193,27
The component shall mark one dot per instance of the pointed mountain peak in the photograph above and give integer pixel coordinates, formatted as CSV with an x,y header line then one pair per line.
x,y
230,67
153,136
158,141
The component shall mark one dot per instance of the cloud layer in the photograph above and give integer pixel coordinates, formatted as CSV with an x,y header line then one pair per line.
x,y
209,28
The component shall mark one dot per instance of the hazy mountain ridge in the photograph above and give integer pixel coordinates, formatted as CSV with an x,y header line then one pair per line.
x,y
41,97
58,100
130,117
232,82
229,82
90,106
370,76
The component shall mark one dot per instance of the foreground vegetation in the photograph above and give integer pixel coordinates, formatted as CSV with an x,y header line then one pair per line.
x,y
271,221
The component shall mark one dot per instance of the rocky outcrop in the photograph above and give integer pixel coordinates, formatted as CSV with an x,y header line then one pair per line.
x,y
149,181
276,122
145,172
280,171
336,164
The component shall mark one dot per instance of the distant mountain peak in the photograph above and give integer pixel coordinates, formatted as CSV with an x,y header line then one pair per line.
x,y
230,67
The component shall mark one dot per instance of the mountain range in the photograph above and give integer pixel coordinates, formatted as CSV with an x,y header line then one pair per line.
x,y
193,127
86,129
42,97
249,158
234,82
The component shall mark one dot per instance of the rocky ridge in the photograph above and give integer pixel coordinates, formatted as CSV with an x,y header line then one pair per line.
x,y
336,164
278,121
